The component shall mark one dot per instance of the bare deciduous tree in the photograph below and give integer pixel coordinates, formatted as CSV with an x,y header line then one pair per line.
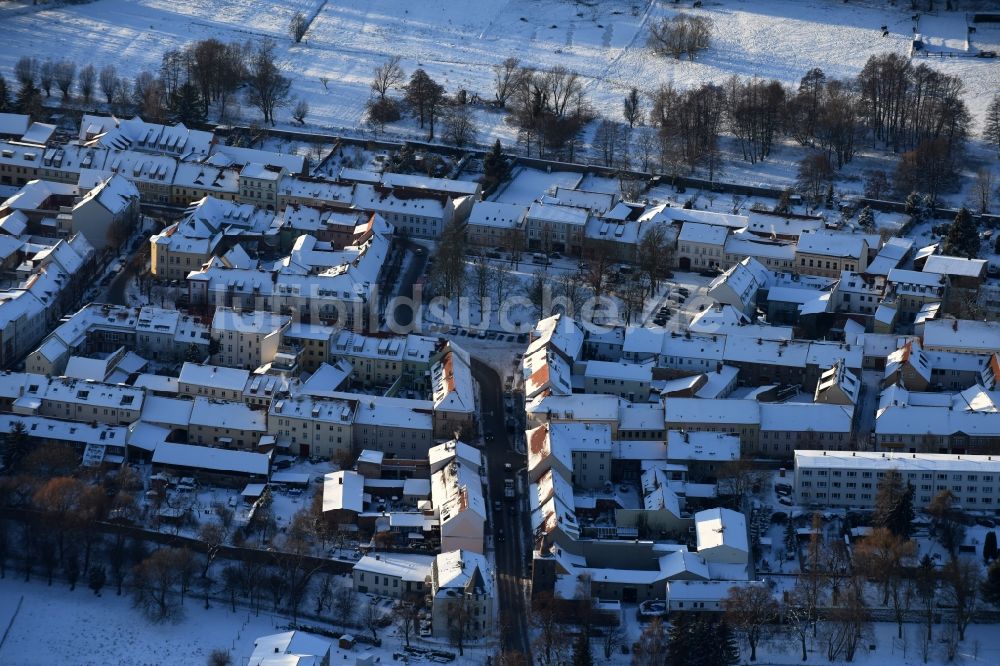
x,y
388,75
983,189
86,82
632,108
962,578
155,582
506,78
344,600
63,72
267,87
300,111
108,81
815,174
748,610
297,27
26,71
46,76
681,34
459,125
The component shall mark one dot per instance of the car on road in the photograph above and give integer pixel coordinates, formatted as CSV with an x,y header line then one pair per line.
x,y
500,536
489,437
496,505
508,488
507,468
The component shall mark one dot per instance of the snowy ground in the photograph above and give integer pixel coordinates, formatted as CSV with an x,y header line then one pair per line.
x,y
457,43
56,626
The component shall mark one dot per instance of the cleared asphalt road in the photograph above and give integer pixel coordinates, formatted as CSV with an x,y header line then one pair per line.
x,y
513,547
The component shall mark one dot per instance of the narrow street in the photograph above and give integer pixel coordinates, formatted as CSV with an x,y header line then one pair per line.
x,y
512,551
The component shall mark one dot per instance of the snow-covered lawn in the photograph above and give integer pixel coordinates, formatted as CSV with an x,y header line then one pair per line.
x,y
56,626
457,43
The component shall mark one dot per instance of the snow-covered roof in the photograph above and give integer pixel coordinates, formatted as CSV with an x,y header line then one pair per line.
x,y
680,411
704,590
634,416
560,331
458,569
389,412
702,446
444,453
405,566
557,214
208,458
451,381
94,393
313,409
227,414
728,320
593,407
595,202
344,490
253,321
902,276
903,462
721,527
14,124
668,213
137,134
38,133
743,279
833,244
742,244
496,214
74,432
36,195
768,223
947,265
215,376
805,417
709,234
965,334
290,644
442,185
238,156
552,505
619,370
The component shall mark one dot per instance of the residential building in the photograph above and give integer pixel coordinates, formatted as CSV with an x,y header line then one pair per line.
x,y
554,228
462,577
701,246
827,253
394,575
834,479
223,423
498,225
247,339
313,426
107,214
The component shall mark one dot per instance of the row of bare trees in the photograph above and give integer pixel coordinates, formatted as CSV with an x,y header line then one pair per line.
x,y
424,98
190,82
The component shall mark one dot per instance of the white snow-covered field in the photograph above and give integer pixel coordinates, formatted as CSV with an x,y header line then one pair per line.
x,y
56,626
458,42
